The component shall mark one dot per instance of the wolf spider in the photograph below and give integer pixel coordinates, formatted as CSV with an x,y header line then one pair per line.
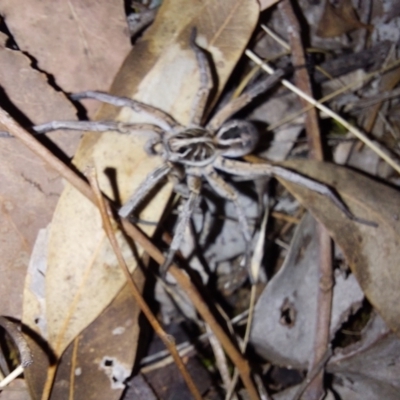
x,y
201,151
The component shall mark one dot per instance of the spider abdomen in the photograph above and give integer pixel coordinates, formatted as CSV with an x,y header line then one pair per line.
x,y
237,138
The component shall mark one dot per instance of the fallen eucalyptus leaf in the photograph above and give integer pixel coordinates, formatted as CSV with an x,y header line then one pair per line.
x,y
283,327
24,176
372,252
365,370
370,368
71,40
99,361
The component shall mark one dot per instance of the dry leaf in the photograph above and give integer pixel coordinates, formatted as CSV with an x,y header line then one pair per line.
x,y
372,252
83,276
71,39
338,20
23,175
28,188
99,361
99,352
368,369
284,321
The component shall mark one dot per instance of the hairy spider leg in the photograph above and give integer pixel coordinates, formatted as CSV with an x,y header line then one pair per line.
x,y
161,121
156,115
95,126
194,185
142,191
206,84
242,169
226,191
243,100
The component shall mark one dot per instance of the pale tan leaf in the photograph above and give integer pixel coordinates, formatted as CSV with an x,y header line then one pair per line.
x,y
83,276
372,252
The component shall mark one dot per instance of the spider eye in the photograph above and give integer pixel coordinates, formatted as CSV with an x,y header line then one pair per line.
x,y
237,138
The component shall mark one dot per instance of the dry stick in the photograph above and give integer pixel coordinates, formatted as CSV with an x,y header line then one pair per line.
x,y
105,213
312,374
220,359
183,280
256,261
315,390
23,349
72,374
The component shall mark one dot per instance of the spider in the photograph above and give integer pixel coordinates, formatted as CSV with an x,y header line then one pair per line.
x,y
200,151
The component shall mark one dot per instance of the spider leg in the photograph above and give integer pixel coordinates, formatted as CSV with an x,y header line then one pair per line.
x,y
94,126
237,104
157,116
206,83
228,192
194,184
144,189
244,169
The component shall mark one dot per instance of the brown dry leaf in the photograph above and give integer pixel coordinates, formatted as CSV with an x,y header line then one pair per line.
x,y
28,188
83,275
338,20
71,39
368,369
99,361
372,252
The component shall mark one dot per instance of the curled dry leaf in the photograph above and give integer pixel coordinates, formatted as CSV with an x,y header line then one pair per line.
x,y
372,252
83,276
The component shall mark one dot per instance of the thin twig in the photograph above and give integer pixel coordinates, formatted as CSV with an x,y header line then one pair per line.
x,y
182,279
313,373
168,341
220,359
255,269
316,389
13,375
23,350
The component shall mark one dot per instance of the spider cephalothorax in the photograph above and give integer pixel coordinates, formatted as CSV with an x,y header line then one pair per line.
x,y
201,151
198,147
